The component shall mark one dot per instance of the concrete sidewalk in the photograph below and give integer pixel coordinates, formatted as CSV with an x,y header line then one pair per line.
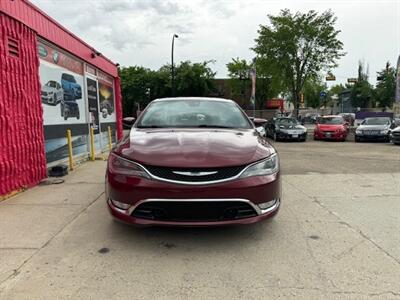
x,y
336,236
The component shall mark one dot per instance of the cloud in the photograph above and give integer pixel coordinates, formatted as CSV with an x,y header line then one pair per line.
x,y
140,31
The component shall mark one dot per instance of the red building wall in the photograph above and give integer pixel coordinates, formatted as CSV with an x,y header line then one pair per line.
x,y
22,155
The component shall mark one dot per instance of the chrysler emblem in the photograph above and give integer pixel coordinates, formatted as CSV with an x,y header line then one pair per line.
x,y
195,173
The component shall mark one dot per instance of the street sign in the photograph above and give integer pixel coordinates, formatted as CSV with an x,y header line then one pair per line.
x,y
330,78
322,94
352,80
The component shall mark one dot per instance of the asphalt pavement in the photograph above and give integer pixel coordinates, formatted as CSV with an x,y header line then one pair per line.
x,y
335,237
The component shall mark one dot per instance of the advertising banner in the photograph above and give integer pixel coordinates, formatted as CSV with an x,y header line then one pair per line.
x,y
106,97
397,99
93,105
61,87
61,79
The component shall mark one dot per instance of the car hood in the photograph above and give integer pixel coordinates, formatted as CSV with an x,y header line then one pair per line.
x,y
194,147
47,89
292,127
373,127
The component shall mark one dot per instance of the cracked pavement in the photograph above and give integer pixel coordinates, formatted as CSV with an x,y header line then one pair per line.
x,y
337,236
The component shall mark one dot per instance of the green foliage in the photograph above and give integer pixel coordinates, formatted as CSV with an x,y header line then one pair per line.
x,y
337,89
386,86
267,85
194,79
297,47
141,85
312,90
362,91
238,72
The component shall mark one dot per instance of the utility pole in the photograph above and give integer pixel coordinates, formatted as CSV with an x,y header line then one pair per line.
x,y
172,66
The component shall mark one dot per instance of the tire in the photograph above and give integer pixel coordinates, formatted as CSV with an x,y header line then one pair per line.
x,y
356,140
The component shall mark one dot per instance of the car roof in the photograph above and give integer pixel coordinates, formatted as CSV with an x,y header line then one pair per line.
x,y
192,99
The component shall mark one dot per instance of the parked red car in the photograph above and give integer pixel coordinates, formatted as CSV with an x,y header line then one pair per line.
x,y
331,128
193,162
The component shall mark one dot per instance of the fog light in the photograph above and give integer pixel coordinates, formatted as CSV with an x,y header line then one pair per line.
x,y
120,204
266,205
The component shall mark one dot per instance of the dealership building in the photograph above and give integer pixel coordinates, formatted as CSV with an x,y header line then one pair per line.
x,y
50,81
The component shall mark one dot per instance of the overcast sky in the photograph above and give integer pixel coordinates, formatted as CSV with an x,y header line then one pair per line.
x,y
139,32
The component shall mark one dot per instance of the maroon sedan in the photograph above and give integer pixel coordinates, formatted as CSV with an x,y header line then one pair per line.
x,y
193,162
331,128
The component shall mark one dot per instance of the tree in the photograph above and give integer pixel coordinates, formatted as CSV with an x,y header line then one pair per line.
x,y
267,85
362,91
238,72
386,86
312,92
299,46
141,85
194,79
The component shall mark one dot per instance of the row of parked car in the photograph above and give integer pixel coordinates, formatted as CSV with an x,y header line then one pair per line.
x,y
332,127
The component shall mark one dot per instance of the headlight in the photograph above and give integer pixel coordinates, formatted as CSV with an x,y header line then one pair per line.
x,y
119,165
358,131
265,167
385,131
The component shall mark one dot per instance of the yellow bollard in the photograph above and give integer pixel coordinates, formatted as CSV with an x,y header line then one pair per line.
x,y
92,144
70,158
109,138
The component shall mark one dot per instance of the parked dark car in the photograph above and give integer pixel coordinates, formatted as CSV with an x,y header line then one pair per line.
x,y
331,128
286,129
374,129
193,162
72,90
260,125
395,135
69,109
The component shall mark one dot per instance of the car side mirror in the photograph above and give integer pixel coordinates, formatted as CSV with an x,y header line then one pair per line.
x,y
128,122
260,130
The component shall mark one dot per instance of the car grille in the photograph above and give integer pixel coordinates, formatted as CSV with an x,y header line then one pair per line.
x,y
192,211
371,132
168,173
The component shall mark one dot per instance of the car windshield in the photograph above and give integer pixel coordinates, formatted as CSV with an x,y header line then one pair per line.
x,y
376,121
184,113
51,84
287,121
331,120
68,77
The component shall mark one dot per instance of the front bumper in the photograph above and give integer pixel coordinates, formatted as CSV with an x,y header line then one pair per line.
x,y
290,136
372,137
135,191
335,135
395,138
